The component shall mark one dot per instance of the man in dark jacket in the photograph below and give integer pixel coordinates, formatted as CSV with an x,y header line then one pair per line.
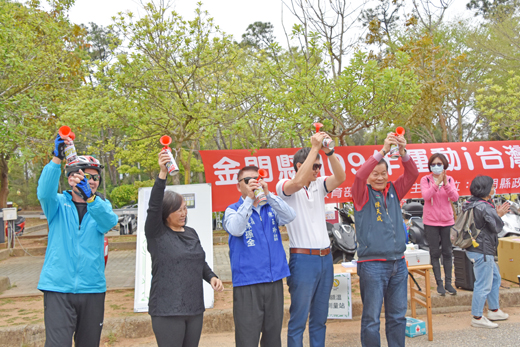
x,y
258,261
487,276
381,244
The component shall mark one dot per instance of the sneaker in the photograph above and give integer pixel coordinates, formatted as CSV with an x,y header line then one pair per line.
x,y
440,289
483,322
498,315
449,288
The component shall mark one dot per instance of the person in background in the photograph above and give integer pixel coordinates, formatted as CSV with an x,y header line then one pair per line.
x,y
73,275
310,263
488,218
176,302
381,237
438,190
258,261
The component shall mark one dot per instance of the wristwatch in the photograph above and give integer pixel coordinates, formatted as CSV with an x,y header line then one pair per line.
x,y
91,199
331,152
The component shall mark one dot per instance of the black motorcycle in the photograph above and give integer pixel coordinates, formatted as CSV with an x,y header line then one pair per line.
x,y
342,237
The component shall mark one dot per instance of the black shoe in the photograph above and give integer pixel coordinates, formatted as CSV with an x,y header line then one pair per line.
x,y
440,288
450,289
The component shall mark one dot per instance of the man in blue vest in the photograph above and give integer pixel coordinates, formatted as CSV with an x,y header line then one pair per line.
x,y
258,261
381,240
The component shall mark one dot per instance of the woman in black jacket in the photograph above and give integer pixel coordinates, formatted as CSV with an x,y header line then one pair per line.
x,y
487,277
178,267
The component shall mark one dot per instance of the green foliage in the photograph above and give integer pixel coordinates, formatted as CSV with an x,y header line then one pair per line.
x,y
125,193
501,105
40,65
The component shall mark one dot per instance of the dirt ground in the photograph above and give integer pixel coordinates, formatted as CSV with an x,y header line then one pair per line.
x,y
23,310
454,327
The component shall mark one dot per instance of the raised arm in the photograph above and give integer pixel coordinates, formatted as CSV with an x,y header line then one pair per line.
x,y
283,212
48,183
154,225
47,190
305,171
101,212
339,176
405,182
235,222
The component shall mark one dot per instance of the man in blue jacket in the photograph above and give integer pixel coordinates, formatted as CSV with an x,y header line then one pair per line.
x,y
73,275
258,261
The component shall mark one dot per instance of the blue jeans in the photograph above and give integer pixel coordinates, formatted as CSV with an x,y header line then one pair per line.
x,y
310,284
386,280
487,283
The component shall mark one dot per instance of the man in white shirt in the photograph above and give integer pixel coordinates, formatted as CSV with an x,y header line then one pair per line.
x,y
310,263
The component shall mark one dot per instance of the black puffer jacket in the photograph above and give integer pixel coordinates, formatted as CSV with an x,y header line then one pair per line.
x,y
490,223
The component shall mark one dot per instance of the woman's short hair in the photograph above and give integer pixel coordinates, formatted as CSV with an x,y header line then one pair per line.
x,y
443,159
481,186
172,201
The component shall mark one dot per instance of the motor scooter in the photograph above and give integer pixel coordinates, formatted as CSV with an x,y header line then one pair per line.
x,y
19,225
413,211
128,221
342,236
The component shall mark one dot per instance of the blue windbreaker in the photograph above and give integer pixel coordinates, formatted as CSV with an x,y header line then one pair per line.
x,y
74,260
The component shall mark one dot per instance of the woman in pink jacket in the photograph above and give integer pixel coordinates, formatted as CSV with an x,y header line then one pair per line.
x,y
438,190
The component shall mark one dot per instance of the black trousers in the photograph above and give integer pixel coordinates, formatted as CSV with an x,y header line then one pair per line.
x,y
258,309
67,315
177,331
436,235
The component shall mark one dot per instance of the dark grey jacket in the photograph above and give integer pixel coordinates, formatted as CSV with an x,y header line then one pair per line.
x,y
487,219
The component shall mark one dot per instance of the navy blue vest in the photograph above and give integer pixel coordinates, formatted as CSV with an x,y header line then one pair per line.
x,y
258,255
379,226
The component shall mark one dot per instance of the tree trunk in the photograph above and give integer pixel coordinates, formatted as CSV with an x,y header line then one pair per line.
x,y
442,121
4,181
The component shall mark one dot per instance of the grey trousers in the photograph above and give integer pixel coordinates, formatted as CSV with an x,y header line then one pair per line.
x,y
258,309
67,315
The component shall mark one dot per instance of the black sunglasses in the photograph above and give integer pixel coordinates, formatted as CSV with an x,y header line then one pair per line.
x,y
94,177
316,167
246,179
437,164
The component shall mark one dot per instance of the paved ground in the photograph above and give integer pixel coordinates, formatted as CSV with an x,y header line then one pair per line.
x,y
24,272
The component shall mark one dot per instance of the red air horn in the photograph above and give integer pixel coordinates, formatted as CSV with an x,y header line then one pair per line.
x,y
70,150
171,165
394,149
260,197
326,142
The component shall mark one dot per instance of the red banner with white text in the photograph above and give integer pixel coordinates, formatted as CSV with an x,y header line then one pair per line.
x,y
498,159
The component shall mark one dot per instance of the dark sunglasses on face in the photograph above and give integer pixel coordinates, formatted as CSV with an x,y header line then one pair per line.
x,y
246,179
316,167
94,177
437,164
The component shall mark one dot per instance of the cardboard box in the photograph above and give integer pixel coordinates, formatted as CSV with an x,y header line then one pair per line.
x,y
417,257
415,327
509,258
